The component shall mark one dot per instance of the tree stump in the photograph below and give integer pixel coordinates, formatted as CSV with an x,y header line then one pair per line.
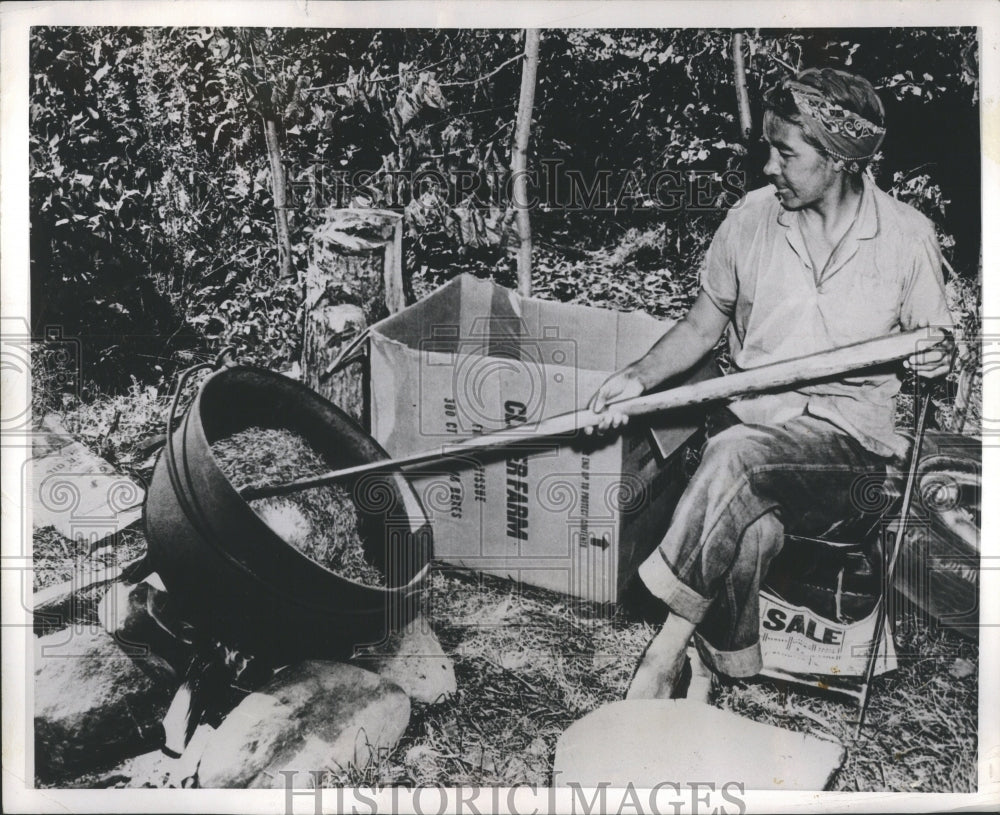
x,y
328,330
354,279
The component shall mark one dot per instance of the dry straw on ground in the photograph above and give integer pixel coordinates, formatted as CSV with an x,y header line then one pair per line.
x,y
56,559
529,663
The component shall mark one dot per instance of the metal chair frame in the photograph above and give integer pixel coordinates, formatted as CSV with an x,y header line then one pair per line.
x,y
889,557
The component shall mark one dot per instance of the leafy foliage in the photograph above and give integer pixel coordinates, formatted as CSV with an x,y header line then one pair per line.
x,y
91,190
153,228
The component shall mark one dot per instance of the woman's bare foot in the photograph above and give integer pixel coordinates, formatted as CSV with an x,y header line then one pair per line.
x,y
700,686
661,663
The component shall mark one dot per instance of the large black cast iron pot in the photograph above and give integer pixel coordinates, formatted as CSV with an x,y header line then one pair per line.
x,y
235,578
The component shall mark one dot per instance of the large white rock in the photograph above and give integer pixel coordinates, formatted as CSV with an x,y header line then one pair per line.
x,y
314,716
645,742
415,660
94,704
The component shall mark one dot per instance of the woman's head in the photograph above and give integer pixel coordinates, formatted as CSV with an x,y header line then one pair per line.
x,y
839,113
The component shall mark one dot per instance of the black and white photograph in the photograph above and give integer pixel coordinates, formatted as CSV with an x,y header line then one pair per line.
x,y
470,407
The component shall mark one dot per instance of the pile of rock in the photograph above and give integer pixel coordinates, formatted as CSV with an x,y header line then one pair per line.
x,y
101,694
113,657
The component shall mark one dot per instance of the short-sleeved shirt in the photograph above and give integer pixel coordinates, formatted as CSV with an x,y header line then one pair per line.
x,y
884,277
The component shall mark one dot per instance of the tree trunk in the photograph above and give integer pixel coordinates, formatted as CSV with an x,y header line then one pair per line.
x,y
356,256
740,81
328,330
330,325
278,188
519,165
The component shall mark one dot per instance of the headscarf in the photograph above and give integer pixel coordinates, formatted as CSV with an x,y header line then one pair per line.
x,y
844,134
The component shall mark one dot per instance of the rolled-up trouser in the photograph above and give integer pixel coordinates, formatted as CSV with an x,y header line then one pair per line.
x,y
754,482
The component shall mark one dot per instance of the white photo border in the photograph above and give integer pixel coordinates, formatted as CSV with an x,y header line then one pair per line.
x,y
15,22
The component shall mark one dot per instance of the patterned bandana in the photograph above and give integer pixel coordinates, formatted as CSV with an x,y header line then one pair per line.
x,y
844,134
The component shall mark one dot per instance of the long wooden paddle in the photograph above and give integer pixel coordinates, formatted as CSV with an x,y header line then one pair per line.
x,y
771,377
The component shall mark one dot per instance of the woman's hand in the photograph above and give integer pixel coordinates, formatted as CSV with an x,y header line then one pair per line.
x,y
622,385
684,343
934,361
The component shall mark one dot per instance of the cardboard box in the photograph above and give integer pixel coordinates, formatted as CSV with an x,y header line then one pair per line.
x,y
573,515
798,641
77,492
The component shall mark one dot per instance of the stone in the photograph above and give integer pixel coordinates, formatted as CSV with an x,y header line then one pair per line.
x,y
414,660
143,623
644,742
961,668
58,606
94,704
313,716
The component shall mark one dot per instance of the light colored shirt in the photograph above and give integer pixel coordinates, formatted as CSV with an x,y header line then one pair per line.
x,y
884,276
